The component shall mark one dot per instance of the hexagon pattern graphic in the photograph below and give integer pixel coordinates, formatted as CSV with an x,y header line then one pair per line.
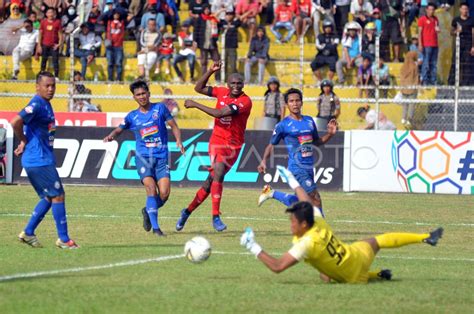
x,y
406,157
418,184
434,161
450,139
424,137
447,186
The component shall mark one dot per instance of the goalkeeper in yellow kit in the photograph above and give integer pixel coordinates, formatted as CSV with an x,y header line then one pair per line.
x,y
315,243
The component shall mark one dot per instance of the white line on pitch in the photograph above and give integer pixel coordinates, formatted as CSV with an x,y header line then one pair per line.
x,y
380,222
88,268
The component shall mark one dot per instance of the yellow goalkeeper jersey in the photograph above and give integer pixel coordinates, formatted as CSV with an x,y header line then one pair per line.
x,y
320,248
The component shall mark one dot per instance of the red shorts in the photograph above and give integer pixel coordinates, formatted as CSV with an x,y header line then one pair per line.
x,y
223,154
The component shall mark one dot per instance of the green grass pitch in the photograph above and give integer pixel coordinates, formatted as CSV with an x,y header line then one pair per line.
x,y
106,222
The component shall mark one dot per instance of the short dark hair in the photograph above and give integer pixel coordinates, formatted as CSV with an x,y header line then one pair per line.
x,y
28,22
464,3
138,84
303,211
432,4
43,74
362,109
292,91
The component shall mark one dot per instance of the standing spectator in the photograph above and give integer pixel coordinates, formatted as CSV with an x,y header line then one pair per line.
x,y
88,43
150,40
230,28
166,51
170,11
274,103
218,5
327,51
114,46
341,17
361,11
187,51
351,50
411,9
328,104
267,12
25,48
428,45
69,21
324,10
247,11
369,115
384,75
364,77
34,19
302,9
368,41
50,40
463,25
283,19
391,30
170,103
376,18
196,7
57,5
409,77
206,32
258,52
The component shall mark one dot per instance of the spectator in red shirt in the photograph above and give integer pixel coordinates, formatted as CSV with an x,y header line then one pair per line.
x,y
114,46
247,11
166,51
303,11
50,40
283,19
428,45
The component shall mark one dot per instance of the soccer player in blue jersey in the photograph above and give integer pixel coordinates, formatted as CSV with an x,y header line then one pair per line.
x,y
148,123
35,126
300,136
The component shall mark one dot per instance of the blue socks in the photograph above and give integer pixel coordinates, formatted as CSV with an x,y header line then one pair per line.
x,y
153,203
37,216
59,214
287,199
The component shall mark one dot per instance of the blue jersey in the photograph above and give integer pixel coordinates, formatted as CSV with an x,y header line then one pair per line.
x,y
150,130
39,129
299,137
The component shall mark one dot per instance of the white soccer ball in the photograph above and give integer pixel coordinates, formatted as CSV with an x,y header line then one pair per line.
x,y
197,250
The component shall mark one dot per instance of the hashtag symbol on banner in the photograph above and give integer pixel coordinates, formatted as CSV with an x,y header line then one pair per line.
x,y
467,166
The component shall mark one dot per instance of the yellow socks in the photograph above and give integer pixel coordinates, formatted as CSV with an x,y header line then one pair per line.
x,y
393,240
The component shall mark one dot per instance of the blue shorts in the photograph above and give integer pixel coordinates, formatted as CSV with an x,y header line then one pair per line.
x,y
305,178
157,168
45,180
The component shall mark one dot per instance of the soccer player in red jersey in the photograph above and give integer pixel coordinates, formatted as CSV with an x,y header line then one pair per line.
x,y
231,114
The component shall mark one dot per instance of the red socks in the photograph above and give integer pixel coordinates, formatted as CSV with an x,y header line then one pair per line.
x,y
216,192
200,197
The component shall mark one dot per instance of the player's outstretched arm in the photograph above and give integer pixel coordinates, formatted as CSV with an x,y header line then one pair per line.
x,y
201,84
276,265
17,125
177,134
113,135
332,129
213,112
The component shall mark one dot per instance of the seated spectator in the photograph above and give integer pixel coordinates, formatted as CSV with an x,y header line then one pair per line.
x,y
187,51
327,51
361,11
114,46
409,77
247,11
369,115
351,50
258,52
368,41
50,40
364,77
170,103
25,48
267,12
15,13
323,10
391,32
302,10
82,104
166,51
206,35
230,28
283,19
150,40
329,106
88,43
384,75
274,103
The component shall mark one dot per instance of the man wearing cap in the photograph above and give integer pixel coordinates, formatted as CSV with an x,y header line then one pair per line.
x,y
327,51
88,43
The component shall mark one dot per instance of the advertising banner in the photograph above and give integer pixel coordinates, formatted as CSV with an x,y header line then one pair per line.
x,y
83,158
66,118
410,161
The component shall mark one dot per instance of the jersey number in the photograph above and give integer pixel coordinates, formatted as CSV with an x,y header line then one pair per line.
x,y
335,249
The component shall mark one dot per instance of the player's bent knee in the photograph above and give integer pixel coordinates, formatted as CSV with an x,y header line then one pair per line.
x,y
57,199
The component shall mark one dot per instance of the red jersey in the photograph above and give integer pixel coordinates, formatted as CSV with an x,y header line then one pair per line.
x,y
50,32
116,32
429,36
166,47
230,130
301,6
283,13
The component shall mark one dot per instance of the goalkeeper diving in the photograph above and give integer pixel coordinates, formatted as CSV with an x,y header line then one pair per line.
x,y
315,243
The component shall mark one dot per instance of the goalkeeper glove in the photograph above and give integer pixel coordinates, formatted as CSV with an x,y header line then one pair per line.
x,y
248,240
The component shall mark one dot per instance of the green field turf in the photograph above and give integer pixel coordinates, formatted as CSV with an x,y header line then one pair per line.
x,y
106,222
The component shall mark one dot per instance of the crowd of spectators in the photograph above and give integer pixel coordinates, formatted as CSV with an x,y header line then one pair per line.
x,y
165,41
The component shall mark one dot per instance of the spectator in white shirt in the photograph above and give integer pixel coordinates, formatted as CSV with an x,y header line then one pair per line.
x,y
88,43
150,39
26,46
369,115
361,10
